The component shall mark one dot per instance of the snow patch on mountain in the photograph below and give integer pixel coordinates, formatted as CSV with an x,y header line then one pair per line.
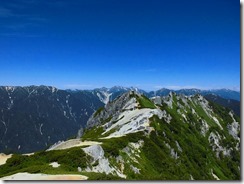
x,y
10,88
104,96
40,129
6,129
107,97
54,89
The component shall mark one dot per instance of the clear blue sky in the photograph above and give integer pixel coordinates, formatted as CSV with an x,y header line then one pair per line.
x,y
144,43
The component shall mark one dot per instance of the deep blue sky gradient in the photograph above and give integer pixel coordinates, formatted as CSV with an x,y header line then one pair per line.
x,y
144,43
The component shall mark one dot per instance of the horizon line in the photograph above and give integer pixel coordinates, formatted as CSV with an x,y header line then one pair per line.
x,y
157,89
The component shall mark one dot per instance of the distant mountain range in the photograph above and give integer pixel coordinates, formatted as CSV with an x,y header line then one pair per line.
x,y
106,94
172,137
234,105
33,117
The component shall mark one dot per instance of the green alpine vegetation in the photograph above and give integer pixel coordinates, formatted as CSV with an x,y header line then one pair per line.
x,y
175,137
69,159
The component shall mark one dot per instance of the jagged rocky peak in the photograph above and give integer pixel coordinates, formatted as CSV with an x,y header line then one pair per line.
x,y
127,114
179,100
177,124
114,108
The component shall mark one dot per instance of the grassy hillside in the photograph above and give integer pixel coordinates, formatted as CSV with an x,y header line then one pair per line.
x,y
197,143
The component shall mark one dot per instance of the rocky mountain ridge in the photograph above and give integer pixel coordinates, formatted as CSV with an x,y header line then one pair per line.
x,y
119,90
175,137
177,124
47,114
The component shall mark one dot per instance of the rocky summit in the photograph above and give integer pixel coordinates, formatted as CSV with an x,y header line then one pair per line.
x,y
174,137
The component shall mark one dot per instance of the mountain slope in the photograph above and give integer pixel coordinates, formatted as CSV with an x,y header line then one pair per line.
x,y
228,103
179,138
33,117
175,137
224,93
42,113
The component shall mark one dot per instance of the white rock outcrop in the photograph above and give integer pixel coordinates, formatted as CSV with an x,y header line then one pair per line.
x,y
103,166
